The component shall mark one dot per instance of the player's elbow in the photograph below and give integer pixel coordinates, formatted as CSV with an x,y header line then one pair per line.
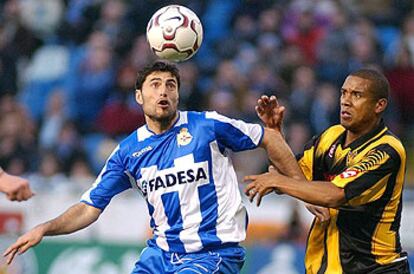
x,y
271,137
335,198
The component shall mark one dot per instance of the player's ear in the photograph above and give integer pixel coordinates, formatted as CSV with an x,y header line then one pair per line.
x,y
381,105
138,96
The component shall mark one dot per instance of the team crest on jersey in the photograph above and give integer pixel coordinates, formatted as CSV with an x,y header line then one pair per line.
x,y
184,137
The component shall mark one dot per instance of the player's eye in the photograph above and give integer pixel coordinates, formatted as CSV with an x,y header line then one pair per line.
x,y
171,85
155,84
356,95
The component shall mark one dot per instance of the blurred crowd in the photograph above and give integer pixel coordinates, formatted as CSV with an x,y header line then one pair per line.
x,y
68,68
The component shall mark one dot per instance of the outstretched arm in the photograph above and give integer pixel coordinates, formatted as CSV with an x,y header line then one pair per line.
x,y
316,192
75,218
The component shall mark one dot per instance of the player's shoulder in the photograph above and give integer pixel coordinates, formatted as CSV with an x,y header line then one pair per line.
x,y
389,141
204,117
332,133
135,138
334,130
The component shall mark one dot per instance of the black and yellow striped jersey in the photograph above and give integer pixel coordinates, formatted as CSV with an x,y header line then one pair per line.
x,y
362,235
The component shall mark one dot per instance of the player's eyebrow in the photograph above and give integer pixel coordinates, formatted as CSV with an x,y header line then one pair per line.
x,y
353,90
155,79
159,79
172,80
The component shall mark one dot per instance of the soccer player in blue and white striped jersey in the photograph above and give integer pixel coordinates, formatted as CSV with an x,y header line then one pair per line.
x,y
179,162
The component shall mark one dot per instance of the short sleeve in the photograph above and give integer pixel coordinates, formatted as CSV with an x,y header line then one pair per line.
x,y
110,181
306,158
235,134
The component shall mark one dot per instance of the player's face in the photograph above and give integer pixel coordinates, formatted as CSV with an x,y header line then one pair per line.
x,y
159,96
359,108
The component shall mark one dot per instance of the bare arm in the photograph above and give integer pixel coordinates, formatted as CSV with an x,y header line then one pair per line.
x,y
271,114
316,192
280,154
73,219
15,188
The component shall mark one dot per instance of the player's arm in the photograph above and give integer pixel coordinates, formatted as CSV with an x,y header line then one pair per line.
x,y
280,153
75,218
316,192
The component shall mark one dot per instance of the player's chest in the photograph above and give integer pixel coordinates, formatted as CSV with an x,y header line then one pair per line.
x,y
173,163
337,159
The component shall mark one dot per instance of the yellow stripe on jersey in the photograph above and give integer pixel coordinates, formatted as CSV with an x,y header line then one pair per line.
x,y
332,244
383,240
315,248
327,139
340,154
371,194
306,163
376,136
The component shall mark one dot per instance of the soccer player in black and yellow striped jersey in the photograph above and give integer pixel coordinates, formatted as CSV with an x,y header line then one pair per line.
x,y
356,170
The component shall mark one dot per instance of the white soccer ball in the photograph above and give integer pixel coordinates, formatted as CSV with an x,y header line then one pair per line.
x,y
174,33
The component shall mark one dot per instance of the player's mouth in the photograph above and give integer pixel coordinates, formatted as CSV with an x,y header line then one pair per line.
x,y
163,103
345,115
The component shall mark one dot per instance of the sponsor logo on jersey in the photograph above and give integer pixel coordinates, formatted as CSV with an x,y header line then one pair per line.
x,y
142,151
349,173
184,137
168,180
332,151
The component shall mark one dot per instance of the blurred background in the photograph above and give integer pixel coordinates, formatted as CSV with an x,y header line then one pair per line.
x,y
67,74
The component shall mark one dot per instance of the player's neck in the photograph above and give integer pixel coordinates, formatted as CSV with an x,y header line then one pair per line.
x,y
352,135
159,126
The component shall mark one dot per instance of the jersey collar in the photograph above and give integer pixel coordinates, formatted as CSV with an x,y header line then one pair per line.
x,y
144,132
376,132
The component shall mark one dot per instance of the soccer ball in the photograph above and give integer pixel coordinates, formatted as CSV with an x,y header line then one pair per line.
x,y
174,33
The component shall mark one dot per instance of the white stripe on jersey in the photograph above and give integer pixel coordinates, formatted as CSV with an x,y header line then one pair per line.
x,y
231,222
190,208
182,120
143,133
254,132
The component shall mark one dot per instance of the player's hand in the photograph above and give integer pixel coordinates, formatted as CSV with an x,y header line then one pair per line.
x,y
15,188
261,185
321,213
23,243
270,112
272,169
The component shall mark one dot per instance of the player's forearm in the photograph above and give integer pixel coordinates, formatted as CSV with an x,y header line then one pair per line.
x,y
317,192
73,219
280,154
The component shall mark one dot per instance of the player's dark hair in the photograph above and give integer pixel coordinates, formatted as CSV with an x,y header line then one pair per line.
x,y
379,84
162,66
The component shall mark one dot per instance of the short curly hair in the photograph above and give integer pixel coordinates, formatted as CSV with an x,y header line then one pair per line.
x,y
162,66
379,83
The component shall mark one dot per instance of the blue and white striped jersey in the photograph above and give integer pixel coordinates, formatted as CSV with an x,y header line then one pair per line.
x,y
186,177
